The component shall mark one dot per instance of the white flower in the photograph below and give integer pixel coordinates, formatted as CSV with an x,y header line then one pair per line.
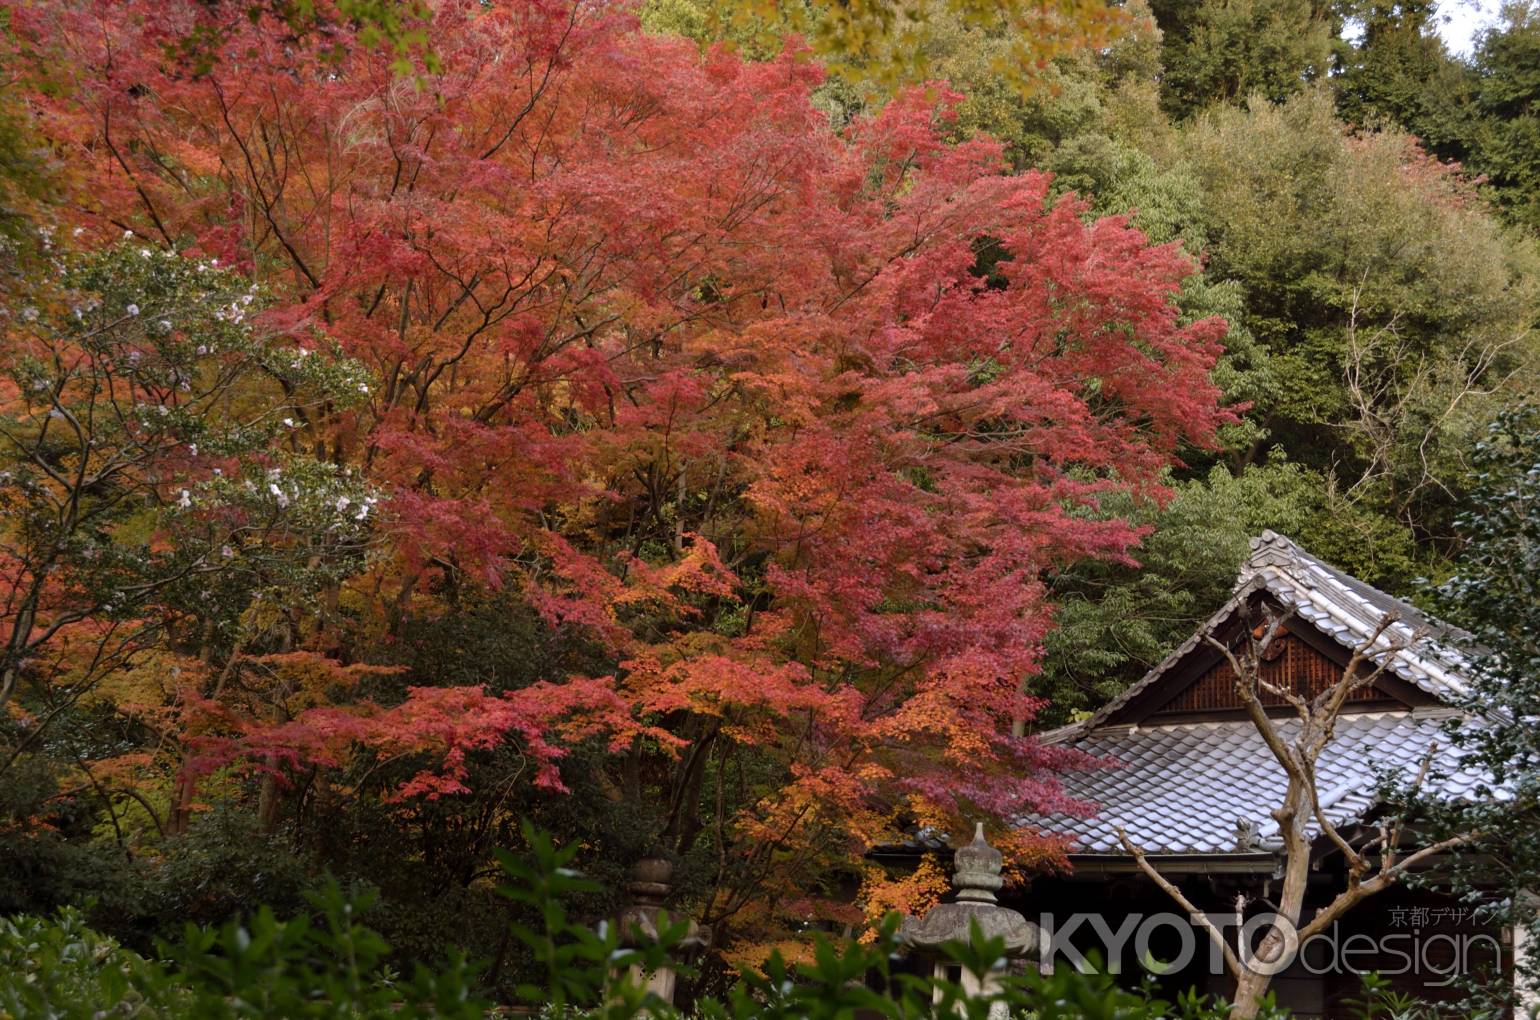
x,y
363,512
186,501
144,253
128,233
342,503
78,231
203,348
226,551
29,314
288,423
218,473
279,495
192,448
165,324
133,309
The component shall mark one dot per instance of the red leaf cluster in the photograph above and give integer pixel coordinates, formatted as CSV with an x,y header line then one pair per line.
x,y
789,420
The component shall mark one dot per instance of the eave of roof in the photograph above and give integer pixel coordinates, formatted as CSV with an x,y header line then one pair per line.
x,y
1086,865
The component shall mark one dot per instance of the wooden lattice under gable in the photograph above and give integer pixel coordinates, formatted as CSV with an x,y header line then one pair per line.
x,y
1291,662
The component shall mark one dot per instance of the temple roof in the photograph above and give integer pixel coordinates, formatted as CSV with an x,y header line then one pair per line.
x,y
1208,785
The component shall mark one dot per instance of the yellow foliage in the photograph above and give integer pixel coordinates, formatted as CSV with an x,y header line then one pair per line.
x,y
884,44
296,681
913,894
149,680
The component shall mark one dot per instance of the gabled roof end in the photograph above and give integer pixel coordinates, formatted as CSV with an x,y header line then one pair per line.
x,y
1339,606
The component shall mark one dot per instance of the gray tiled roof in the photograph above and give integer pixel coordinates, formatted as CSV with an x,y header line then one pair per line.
x,y
1185,788
1349,610
1190,787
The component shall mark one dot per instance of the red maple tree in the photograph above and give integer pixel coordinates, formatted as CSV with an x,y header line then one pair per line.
x,y
788,420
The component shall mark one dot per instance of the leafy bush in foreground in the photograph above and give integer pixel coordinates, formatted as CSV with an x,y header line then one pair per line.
x,y
331,965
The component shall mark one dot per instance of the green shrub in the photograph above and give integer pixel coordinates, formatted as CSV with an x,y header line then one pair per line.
x,y
330,965
59,969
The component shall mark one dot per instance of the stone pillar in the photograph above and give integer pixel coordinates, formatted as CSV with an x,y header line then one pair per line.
x,y
975,879
648,890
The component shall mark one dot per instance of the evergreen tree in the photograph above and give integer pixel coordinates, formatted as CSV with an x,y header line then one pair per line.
x,y
1226,50
1400,72
1507,137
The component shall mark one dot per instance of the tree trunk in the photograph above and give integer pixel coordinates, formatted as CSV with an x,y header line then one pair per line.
x,y
270,798
181,807
1249,991
1256,971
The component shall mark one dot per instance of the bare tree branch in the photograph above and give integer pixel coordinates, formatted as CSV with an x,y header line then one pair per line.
x,y
1232,962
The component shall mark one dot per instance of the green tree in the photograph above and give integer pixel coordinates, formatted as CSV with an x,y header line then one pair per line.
x,y
1397,310
877,45
1495,594
1115,622
1483,113
1398,71
1506,143
1226,50
1380,315
154,515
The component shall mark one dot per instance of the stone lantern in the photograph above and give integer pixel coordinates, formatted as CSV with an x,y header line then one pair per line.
x,y
648,890
975,878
